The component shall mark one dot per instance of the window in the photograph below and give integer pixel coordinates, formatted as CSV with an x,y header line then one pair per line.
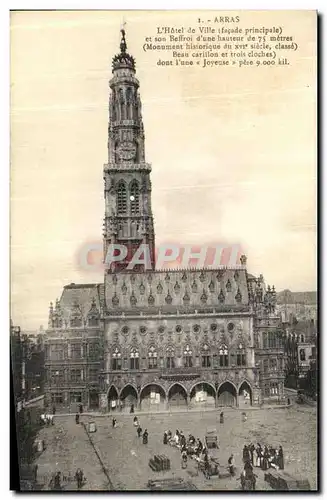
x,y
215,361
116,360
57,398
271,341
302,338
223,356
221,297
273,389
76,322
188,363
121,198
273,364
94,351
57,352
240,359
57,376
93,321
75,397
267,390
75,351
75,375
206,358
265,366
135,198
152,358
170,360
93,374
186,298
134,360
240,356
302,355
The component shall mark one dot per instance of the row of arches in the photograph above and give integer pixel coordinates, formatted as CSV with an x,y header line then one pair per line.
x,y
153,397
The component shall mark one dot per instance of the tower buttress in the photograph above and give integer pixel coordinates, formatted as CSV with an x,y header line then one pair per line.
x,y
128,215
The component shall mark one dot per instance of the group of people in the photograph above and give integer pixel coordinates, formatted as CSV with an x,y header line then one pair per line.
x,y
264,456
47,419
189,447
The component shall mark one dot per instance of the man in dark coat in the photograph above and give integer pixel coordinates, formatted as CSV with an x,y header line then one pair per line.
x,y
57,481
246,454
231,465
79,476
145,437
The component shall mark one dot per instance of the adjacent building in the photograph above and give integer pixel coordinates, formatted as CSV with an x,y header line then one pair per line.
x,y
157,339
300,350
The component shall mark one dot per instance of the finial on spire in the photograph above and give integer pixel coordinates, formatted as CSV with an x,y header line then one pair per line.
x,y
123,59
123,44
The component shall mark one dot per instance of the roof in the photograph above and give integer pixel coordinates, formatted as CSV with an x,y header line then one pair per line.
x,y
171,289
82,295
288,297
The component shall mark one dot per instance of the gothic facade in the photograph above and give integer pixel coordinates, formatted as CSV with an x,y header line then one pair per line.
x,y
157,339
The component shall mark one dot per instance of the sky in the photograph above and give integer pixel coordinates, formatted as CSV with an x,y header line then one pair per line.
x,y
233,150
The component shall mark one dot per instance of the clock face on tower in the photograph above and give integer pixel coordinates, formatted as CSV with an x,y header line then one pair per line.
x,y
126,151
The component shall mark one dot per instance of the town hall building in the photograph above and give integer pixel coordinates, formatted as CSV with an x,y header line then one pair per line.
x,y
157,339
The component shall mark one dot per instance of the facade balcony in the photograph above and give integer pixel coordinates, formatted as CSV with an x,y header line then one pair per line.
x,y
177,373
191,372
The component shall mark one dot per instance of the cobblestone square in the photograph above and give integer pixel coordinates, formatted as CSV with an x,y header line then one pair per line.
x,y
126,458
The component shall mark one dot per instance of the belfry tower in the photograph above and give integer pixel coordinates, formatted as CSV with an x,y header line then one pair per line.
x,y
128,216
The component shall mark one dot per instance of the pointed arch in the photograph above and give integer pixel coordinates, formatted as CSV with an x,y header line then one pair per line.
x,y
128,396
203,395
227,394
121,197
245,393
177,396
152,397
112,398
